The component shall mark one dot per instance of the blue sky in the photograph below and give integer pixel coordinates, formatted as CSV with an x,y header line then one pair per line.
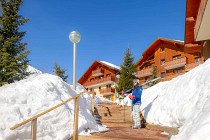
x,y
107,27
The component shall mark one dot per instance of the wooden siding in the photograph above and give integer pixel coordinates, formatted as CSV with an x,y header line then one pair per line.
x,y
101,79
172,61
199,16
192,7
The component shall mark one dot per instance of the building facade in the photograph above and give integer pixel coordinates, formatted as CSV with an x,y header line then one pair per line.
x,y
197,27
100,78
168,57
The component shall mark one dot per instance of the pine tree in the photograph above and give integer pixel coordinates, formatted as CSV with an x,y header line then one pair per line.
x,y
153,76
127,70
60,72
13,54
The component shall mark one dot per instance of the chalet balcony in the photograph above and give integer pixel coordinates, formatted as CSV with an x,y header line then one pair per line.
x,y
188,67
107,91
144,72
97,72
100,82
175,63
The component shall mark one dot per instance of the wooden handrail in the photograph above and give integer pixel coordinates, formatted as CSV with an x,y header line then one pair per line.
x,y
46,111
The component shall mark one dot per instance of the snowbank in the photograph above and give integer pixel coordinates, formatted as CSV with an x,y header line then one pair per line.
x,y
183,102
24,99
32,70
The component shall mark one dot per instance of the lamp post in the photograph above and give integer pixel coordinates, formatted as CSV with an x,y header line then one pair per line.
x,y
74,37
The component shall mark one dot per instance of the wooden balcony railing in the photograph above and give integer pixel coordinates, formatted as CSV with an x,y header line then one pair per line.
x,y
33,120
192,65
144,72
107,90
98,72
175,63
100,81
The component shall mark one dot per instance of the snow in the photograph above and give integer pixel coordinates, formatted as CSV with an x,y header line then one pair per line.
x,y
24,99
111,65
179,41
32,70
183,102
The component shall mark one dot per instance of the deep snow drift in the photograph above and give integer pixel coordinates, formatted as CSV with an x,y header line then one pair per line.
x,y
182,102
21,100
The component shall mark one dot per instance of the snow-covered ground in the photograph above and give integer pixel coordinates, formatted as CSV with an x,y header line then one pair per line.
x,y
183,102
21,100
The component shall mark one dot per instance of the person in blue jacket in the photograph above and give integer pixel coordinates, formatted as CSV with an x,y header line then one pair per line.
x,y
135,96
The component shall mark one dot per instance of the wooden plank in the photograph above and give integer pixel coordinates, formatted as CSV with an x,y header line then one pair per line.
x,y
93,102
33,129
76,111
46,111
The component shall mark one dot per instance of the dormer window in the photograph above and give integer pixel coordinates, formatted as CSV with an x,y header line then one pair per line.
x,y
162,49
198,59
162,61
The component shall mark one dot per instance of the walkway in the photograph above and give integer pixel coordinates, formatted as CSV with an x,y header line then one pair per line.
x,y
119,123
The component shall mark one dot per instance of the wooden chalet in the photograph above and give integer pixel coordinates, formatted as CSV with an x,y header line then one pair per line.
x,y
100,78
168,57
197,27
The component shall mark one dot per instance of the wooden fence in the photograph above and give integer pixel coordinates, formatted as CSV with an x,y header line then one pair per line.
x,y
33,119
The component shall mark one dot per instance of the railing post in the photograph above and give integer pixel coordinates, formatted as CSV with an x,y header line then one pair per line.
x,y
76,111
93,102
33,129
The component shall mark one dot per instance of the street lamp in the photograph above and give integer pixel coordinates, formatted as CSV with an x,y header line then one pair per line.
x,y
74,37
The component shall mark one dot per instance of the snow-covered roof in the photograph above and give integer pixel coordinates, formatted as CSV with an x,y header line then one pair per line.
x,y
179,41
111,65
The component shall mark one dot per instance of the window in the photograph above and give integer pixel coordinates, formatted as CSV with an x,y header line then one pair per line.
x,y
179,71
162,49
147,79
92,79
177,57
148,66
198,59
162,61
163,75
108,86
99,88
108,75
109,97
175,71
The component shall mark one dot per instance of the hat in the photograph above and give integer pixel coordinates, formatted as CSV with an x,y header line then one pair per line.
x,y
136,81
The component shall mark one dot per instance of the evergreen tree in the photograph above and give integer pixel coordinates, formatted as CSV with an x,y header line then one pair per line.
x,y
60,72
13,55
127,70
154,75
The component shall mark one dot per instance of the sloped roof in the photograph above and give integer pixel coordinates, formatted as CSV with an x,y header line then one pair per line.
x,y
111,65
151,49
93,66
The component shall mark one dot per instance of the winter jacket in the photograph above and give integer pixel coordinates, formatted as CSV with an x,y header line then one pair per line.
x,y
136,92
